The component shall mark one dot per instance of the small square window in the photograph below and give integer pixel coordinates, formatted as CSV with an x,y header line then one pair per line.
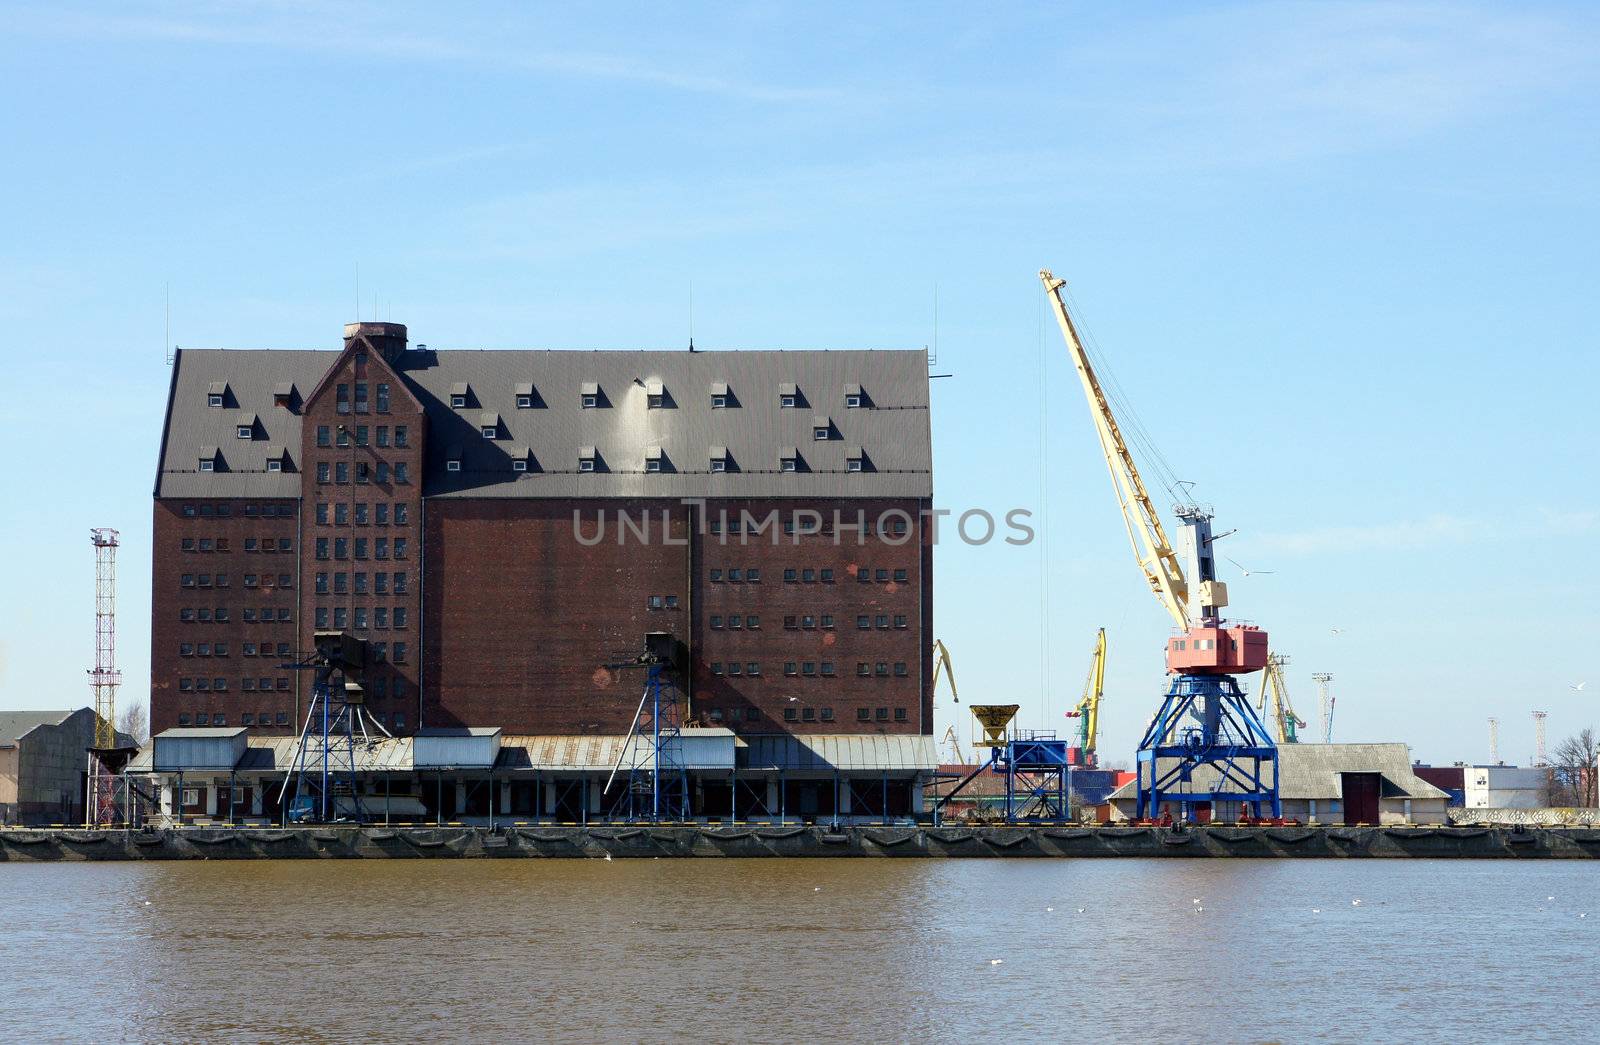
x,y
853,464
852,401
791,668
900,576
788,464
243,431
718,402
716,575
826,714
752,668
790,714
452,466
654,602
208,465
863,714
899,714
457,402
735,575
672,602
819,434
716,622
735,623
883,714
735,669
489,433
214,399
716,667
274,465
524,402
652,464
586,464
590,401
719,464
809,714
752,622
786,401
827,669
519,465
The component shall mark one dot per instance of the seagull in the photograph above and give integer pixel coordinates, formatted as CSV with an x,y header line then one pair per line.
x,y
1195,900
1337,631
1549,898
1199,910
1316,910
997,961
1577,687
147,903
608,858
1245,571
1355,903
1583,916
793,699
818,889
1082,909
1049,908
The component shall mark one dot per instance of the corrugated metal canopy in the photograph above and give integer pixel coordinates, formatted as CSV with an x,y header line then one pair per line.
x,y
868,751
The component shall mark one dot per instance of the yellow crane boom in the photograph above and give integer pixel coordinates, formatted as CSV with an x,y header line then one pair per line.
x,y
1088,709
1275,692
941,663
1145,533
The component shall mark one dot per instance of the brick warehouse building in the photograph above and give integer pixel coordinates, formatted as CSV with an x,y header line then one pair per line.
x,y
499,524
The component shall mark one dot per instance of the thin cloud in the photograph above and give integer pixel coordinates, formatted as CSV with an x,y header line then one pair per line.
x,y
342,31
1432,532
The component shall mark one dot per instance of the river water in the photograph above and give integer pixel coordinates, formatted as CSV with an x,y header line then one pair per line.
x,y
801,949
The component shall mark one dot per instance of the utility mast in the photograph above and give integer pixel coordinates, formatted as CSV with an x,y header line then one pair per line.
x,y
1494,741
1539,756
1325,701
104,678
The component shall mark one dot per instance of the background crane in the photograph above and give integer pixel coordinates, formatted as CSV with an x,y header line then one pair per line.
x,y
941,663
1275,695
1088,710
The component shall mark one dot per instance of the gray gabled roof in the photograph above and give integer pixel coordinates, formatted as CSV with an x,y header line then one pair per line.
x,y
15,724
755,428
1312,771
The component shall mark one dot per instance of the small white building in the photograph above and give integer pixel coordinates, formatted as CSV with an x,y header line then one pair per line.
x,y
1330,784
1507,787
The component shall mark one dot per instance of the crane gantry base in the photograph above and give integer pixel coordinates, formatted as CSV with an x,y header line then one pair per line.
x,y
1206,747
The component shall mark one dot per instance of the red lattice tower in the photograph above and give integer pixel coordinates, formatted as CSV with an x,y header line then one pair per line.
x,y
104,678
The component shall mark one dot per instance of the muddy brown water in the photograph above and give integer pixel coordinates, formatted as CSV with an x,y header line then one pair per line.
x,y
800,950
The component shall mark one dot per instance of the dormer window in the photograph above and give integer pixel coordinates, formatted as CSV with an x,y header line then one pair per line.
x,y
216,393
274,458
244,426
719,458
524,392
519,458
655,395
789,459
489,425
590,393
283,393
208,459
853,399
788,395
821,428
275,465
652,459
855,460
458,395
586,458
719,395
452,459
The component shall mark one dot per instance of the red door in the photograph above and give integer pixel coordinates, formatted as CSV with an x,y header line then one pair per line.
x,y
1360,796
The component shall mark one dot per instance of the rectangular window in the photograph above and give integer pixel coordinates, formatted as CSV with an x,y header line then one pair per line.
x,y
752,668
382,473
789,574
383,435
323,436
808,622
716,576
863,575
899,714
900,620
791,622
361,547
341,472
361,435
341,547
826,576
735,668
883,714
363,472
341,617
735,622
341,583
900,576
322,471
827,669
882,620
380,583
399,549
380,514
863,668
400,438
791,668
400,517
900,669
322,520
383,398
322,617
361,397
809,714
826,714
716,622
752,622
361,618
808,668
882,576
361,514
399,653
361,583
380,547
716,667
341,396
882,669
400,583
380,616
864,622
341,438
341,514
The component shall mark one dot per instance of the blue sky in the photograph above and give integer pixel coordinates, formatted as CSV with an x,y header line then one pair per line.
x,y
1341,257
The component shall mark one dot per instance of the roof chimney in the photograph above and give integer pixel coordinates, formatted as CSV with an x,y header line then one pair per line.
x,y
388,338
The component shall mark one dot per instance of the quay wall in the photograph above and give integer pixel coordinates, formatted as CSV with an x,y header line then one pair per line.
x,y
677,840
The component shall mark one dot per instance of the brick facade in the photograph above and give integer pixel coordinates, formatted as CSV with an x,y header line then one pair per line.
x,y
492,610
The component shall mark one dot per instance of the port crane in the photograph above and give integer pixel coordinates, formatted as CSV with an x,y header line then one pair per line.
x,y
1275,694
1205,744
941,663
1087,712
